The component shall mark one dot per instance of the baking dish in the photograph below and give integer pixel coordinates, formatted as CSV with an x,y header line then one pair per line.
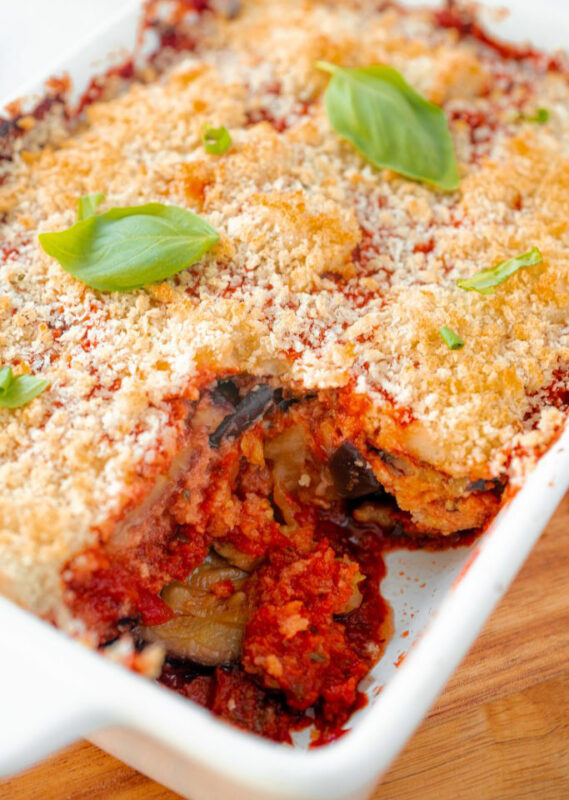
x,y
296,773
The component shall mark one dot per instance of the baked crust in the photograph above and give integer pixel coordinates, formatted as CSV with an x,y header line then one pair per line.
x,y
328,273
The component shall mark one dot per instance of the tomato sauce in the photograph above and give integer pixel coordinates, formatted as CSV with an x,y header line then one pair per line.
x,y
99,84
317,622
306,646
230,694
323,664
115,587
287,679
465,22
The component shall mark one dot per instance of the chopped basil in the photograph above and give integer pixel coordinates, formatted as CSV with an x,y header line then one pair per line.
x,y
216,140
125,248
88,204
451,339
486,280
541,116
392,125
19,390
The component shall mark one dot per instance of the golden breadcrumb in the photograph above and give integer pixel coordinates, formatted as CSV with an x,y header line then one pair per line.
x,y
328,271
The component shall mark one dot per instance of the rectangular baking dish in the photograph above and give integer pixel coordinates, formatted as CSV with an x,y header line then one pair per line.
x,y
54,691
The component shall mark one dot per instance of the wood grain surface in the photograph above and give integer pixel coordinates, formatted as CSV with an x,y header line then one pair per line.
x,y
500,731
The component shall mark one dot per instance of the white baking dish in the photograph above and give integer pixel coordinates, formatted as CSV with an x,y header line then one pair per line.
x,y
53,690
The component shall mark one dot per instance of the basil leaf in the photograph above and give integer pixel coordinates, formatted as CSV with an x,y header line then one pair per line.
x,y
125,248
390,123
541,116
451,339
486,280
216,140
88,204
17,391
6,378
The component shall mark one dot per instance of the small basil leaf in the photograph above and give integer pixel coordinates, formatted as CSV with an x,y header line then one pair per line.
x,y
216,140
451,339
486,280
376,110
541,116
88,204
17,391
125,248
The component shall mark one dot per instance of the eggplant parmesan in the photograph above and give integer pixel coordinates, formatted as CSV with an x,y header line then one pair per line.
x,y
206,487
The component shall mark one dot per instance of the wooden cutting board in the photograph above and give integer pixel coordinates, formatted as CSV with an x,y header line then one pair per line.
x,y
500,731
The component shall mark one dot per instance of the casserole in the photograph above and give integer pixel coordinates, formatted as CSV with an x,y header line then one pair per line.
x,y
450,558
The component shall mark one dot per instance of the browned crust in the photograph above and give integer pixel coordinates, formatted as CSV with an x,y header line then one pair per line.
x,y
324,275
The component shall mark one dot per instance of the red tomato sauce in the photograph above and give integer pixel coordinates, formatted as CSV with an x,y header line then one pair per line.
x,y
465,22
305,650
317,622
320,666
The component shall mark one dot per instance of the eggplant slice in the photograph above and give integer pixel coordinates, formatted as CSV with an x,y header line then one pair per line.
x,y
208,626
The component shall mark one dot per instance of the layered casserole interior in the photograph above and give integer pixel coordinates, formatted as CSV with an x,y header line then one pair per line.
x,y
206,488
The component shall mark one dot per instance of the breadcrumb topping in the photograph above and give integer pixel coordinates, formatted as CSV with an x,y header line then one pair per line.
x,y
328,272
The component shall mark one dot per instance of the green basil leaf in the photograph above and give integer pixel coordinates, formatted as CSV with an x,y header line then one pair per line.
x,y
486,280
6,379
88,204
125,248
216,140
17,391
451,339
376,110
541,116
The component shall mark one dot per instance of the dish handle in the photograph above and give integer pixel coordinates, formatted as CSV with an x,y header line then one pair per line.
x,y
41,710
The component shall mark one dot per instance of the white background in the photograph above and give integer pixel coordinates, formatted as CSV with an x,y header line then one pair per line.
x,y
38,33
